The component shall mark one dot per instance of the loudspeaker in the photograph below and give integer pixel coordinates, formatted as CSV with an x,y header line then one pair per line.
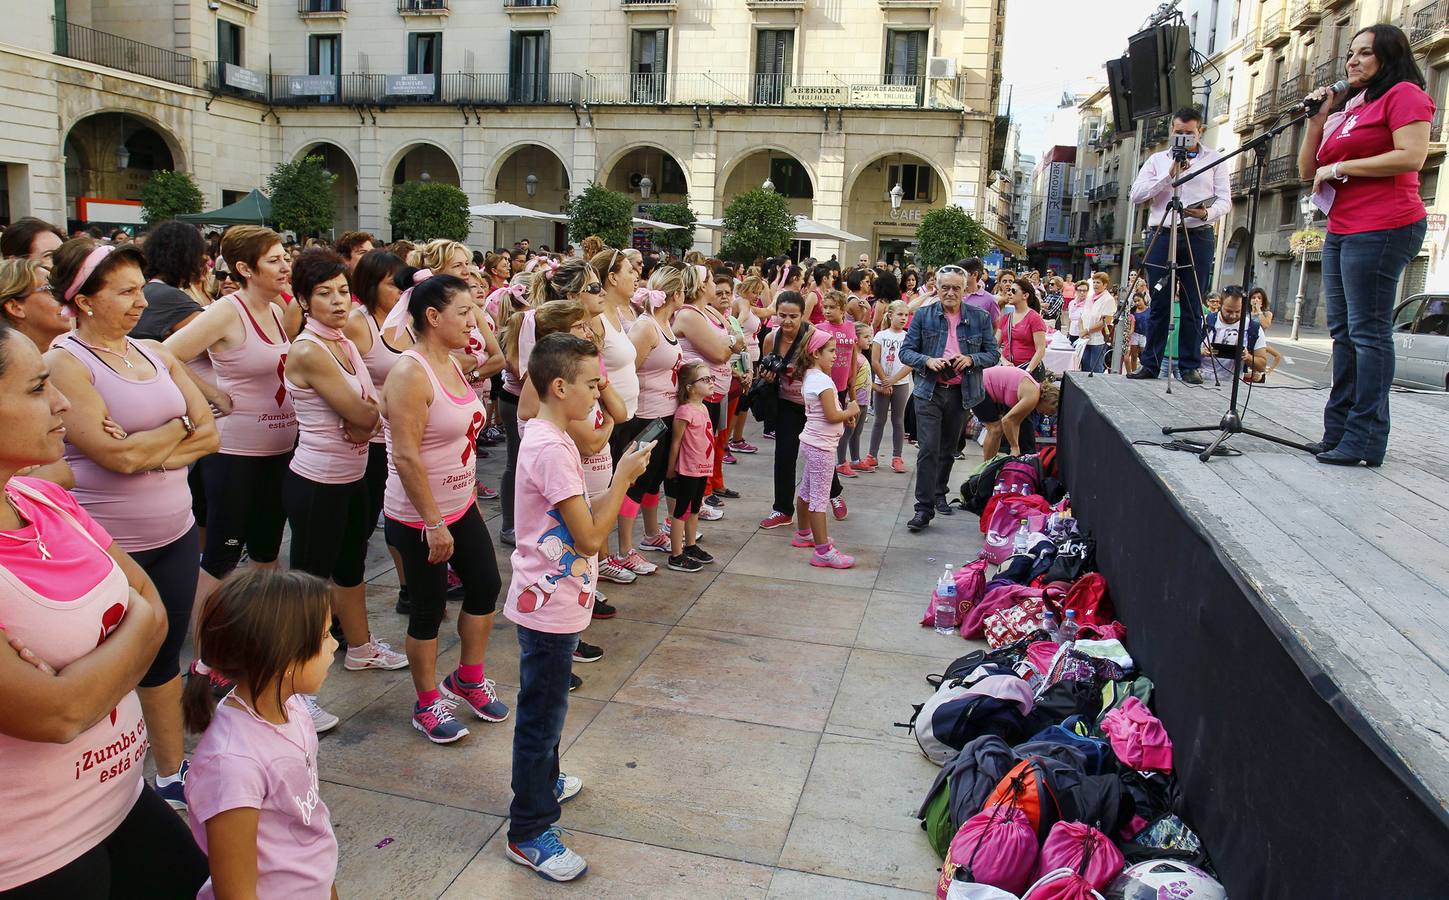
x,y
1119,86
1160,70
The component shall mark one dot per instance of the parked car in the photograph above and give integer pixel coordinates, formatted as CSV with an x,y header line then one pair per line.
x,y
1421,342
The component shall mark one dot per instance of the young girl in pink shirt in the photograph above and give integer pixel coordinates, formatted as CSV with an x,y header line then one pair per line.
x,y
825,422
253,790
691,460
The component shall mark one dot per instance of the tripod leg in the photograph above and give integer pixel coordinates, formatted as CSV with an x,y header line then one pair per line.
x,y
1213,447
1275,439
1189,429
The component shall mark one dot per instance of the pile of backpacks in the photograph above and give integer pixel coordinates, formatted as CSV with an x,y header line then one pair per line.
x,y
1056,779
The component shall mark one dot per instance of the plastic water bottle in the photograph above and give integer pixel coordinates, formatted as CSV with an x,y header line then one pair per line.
x,y
1022,542
943,602
1052,628
1068,632
1000,487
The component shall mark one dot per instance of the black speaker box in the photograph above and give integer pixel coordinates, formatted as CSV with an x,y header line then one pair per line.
x,y
1160,70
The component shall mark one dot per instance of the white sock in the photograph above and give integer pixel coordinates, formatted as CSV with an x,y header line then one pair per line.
x,y
164,780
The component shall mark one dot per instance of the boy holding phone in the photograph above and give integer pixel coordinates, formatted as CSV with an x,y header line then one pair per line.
x,y
550,598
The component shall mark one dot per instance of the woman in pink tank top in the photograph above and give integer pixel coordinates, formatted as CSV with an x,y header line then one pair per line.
x,y
247,341
431,425
134,486
72,749
325,493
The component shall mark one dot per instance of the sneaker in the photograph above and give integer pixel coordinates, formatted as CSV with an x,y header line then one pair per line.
x,y
659,542
743,447
845,471
495,434
698,555
506,536
636,563
682,563
803,539
870,461
776,519
486,493
831,559
404,605
587,653
322,720
769,435
437,722
714,501
862,467
729,458
727,493
837,506
547,856
174,792
610,570
898,465
603,609
566,787
709,513
575,682
374,655
666,526
480,698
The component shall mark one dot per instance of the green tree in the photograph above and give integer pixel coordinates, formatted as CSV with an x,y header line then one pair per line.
x,y
301,195
428,211
598,210
757,223
948,234
674,240
168,195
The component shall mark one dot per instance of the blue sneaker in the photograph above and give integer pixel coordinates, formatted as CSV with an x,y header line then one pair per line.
x,y
480,697
175,792
566,787
547,856
437,722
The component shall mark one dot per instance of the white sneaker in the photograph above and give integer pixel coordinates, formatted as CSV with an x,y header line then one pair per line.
x,y
637,564
709,513
322,720
547,856
567,786
374,655
611,570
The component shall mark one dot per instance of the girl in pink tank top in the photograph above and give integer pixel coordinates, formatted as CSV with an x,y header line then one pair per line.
x,y
432,425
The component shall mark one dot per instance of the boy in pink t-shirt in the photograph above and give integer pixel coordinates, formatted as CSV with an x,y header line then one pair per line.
x,y
555,571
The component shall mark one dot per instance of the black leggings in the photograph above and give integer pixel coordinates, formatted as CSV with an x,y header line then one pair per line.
x,y
150,856
376,478
652,481
198,492
623,435
508,412
472,560
244,509
173,569
789,422
330,527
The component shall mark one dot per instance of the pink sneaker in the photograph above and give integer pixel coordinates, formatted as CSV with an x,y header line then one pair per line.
x,y
658,542
486,493
729,458
637,564
845,471
898,465
776,519
743,447
837,506
803,539
831,559
863,467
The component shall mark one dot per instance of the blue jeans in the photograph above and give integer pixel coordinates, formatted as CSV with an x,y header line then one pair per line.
x,y
545,662
1360,280
1094,358
1196,246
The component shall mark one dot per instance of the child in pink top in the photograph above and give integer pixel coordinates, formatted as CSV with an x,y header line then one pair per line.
x,y
253,791
560,530
691,462
825,422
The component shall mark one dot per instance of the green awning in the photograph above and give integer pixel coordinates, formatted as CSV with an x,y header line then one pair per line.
x,y
253,209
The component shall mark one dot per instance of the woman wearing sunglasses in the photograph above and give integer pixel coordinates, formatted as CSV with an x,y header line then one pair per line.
x,y
1022,332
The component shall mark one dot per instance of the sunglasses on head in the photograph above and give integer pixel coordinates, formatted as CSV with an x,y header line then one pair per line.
x,y
950,270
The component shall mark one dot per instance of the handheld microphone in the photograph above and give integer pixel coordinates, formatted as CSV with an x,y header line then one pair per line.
x,y
1311,106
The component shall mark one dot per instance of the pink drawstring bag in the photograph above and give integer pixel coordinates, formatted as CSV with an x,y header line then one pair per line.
x,y
970,585
997,846
1082,849
1138,737
1040,654
1061,884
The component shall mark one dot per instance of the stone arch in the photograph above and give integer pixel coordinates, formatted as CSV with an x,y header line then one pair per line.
x,y
346,189
504,154
180,159
739,157
401,152
942,172
606,170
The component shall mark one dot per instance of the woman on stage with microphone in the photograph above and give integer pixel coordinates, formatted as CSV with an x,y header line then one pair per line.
x,y
1363,149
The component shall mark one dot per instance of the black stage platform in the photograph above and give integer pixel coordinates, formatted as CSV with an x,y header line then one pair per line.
x,y
1295,618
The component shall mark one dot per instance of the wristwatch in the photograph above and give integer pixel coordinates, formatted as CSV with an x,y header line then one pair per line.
x,y
186,423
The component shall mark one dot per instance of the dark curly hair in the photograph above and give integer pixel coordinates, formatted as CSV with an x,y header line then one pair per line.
x,y
175,253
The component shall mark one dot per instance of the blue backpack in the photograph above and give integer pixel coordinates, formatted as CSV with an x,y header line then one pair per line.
x,y
1073,733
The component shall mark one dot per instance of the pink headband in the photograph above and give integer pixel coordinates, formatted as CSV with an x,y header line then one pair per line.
x,y
87,269
817,339
702,272
783,276
398,316
527,337
654,299
541,261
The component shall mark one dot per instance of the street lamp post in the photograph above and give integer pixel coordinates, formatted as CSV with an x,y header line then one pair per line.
x,y
646,187
897,194
530,184
1305,206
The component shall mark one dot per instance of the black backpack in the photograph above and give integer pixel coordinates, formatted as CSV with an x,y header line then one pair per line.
x,y
1005,657
977,490
1075,557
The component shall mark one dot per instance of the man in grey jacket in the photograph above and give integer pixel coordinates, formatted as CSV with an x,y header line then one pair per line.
x,y
947,345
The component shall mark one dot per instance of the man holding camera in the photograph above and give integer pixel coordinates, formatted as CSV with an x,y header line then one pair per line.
x,y
1204,201
1222,338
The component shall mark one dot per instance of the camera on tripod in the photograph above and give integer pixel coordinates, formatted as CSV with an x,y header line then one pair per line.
x,y
1181,144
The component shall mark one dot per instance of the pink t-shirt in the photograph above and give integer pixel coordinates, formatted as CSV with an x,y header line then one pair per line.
x,y
1374,204
845,341
599,468
553,587
245,762
949,375
818,432
1017,341
696,447
1003,382
74,567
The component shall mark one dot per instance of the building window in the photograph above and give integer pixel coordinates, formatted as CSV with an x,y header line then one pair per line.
x,y
229,43
528,67
324,54
1213,29
905,61
649,64
774,55
791,179
1288,213
425,53
1237,16
915,180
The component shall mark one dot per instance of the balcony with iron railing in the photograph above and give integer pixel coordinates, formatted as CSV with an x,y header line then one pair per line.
x,y
1429,26
1243,118
1282,172
1108,191
422,7
1326,72
1306,14
1252,46
1436,133
322,9
1156,130
1219,105
1272,33
1265,106
116,52
527,7
1291,92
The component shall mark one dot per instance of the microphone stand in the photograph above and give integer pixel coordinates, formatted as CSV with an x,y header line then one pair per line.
x,y
1232,421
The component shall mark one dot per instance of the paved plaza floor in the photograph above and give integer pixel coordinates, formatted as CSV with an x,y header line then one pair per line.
x,y
736,739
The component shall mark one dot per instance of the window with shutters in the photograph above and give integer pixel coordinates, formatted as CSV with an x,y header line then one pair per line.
x,y
425,53
774,58
528,67
649,65
916,181
905,61
324,56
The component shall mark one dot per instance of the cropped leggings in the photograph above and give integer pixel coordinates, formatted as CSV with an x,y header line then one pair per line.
x,y
243,509
173,569
472,560
330,528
